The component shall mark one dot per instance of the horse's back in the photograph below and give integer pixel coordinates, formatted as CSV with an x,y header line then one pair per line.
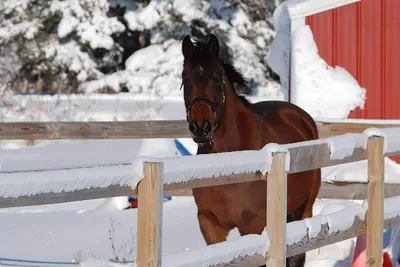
x,y
282,116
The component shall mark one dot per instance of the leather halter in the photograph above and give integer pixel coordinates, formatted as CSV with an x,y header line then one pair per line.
x,y
214,107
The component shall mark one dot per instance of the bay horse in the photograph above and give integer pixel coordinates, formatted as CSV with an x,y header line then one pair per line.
x,y
221,120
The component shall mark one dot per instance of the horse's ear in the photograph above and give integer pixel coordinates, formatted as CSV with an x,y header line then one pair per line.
x,y
187,47
213,45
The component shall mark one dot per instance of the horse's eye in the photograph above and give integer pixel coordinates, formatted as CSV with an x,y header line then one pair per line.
x,y
218,82
184,82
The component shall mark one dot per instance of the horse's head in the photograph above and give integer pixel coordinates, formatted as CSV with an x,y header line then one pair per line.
x,y
204,84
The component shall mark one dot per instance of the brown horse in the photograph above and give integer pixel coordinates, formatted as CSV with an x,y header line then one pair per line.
x,y
221,121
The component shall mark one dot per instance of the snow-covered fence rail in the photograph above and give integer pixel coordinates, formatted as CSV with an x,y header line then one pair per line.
x,y
149,129
278,161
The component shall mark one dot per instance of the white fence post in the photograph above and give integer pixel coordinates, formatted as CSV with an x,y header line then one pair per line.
x,y
276,211
149,221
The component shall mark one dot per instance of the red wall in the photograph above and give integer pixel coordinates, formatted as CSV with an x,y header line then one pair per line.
x,y
364,38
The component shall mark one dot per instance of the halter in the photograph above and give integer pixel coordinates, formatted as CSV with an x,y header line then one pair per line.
x,y
214,107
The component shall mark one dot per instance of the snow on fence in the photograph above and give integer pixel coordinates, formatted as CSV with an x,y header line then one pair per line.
x,y
274,161
164,174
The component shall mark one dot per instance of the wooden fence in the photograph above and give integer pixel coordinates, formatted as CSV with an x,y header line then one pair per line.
x,y
303,157
151,188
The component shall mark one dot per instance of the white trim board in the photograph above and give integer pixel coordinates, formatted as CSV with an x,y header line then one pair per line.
x,y
302,8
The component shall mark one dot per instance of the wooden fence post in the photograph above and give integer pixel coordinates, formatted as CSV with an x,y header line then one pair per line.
x,y
376,183
276,211
149,221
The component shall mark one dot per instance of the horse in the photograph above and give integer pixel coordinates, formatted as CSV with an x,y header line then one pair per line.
x,y
221,120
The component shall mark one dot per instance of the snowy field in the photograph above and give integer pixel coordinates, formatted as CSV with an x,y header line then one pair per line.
x,y
65,233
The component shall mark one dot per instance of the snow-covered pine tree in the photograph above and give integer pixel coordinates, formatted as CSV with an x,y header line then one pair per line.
x,y
125,45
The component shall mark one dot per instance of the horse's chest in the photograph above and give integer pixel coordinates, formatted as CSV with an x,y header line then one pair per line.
x,y
229,201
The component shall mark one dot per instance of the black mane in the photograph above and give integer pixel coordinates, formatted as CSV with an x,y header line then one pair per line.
x,y
201,55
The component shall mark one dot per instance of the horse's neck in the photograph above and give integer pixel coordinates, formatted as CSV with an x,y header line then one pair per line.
x,y
236,121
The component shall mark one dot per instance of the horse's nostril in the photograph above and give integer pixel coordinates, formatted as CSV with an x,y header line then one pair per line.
x,y
206,127
193,127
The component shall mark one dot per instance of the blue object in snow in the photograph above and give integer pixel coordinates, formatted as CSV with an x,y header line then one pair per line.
x,y
166,198
184,152
182,149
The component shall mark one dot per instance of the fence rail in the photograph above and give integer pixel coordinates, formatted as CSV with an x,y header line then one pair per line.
x,y
139,129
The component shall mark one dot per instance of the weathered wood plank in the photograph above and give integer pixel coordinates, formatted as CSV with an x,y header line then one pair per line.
x,y
64,197
328,190
221,180
324,238
337,190
137,129
353,190
327,129
376,173
93,130
276,207
246,261
149,219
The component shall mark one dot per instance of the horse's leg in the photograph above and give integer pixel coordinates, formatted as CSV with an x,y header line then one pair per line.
x,y
303,212
213,231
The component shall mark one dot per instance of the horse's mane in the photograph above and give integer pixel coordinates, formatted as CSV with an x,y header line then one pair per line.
x,y
201,54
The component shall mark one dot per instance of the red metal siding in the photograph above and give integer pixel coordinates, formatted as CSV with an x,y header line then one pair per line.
x,y
391,59
364,38
322,25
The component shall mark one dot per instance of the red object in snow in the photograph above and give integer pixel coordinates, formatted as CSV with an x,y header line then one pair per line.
x,y
133,202
360,253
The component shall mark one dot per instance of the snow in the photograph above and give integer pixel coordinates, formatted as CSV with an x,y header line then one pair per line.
x,y
177,169
219,253
295,232
184,169
343,145
319,88
357,172
66,26
168,21
279,54
60,232
391,207
316,87
100,164
314,225
344,218
144,18
338,216
82,227
358,121
89,20
71,56
390,137
31,183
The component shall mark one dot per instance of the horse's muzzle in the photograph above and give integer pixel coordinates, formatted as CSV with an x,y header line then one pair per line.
x,y
201,134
